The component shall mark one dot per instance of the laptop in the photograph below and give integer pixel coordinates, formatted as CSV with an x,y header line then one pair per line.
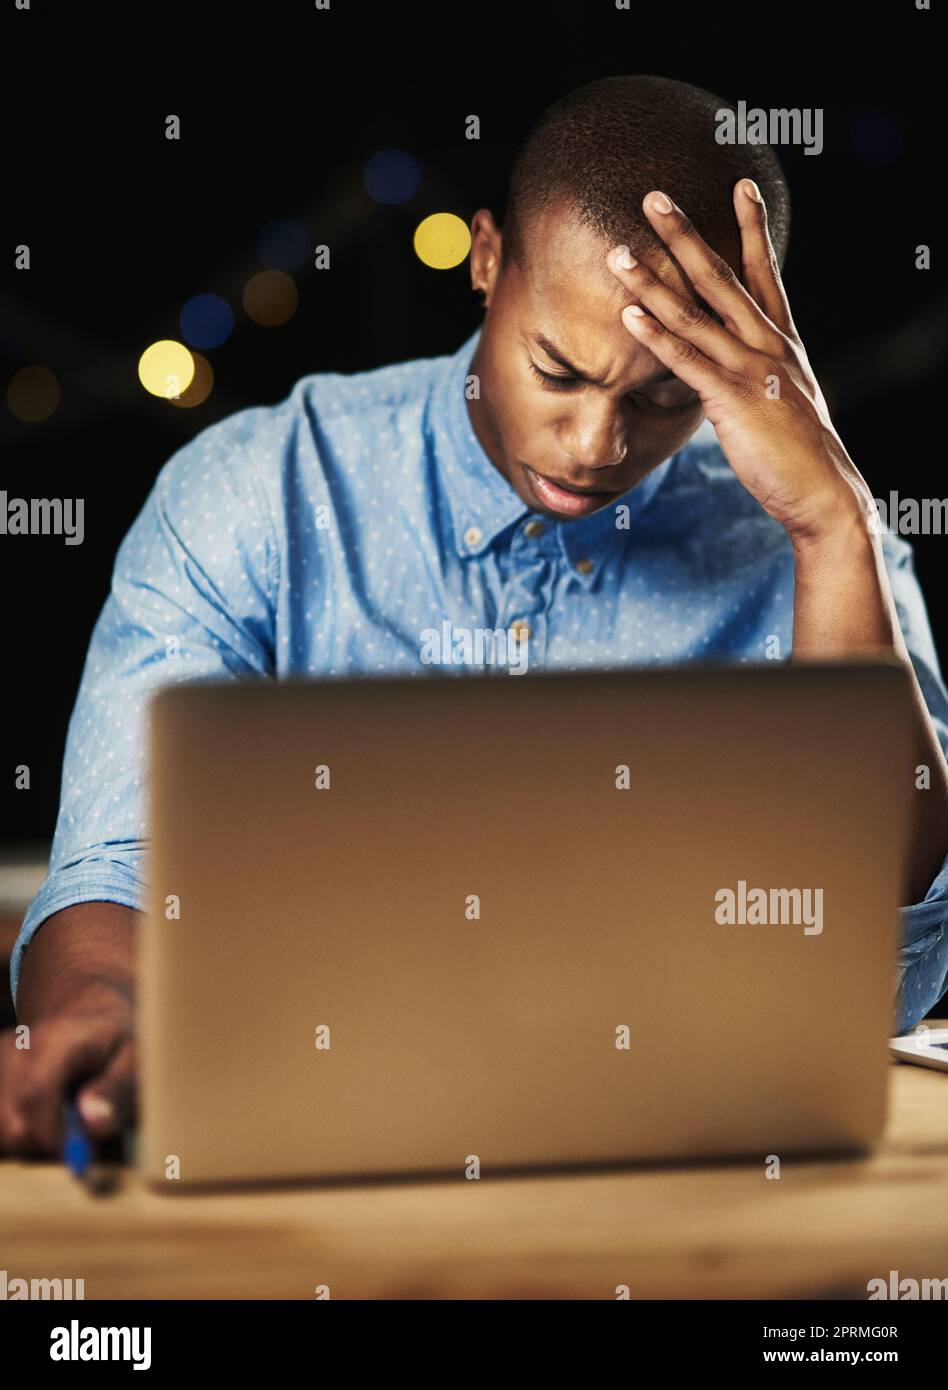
x,y
430,925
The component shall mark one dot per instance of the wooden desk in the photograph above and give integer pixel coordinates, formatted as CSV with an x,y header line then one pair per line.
x,y
823,1230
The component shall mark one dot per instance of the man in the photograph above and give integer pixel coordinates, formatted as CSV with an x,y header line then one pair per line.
x,y
630,463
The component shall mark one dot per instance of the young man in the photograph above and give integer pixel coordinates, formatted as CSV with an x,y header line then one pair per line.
x,y
631,462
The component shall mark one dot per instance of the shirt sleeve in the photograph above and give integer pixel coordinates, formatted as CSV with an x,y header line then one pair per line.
x,y
192,597
922,976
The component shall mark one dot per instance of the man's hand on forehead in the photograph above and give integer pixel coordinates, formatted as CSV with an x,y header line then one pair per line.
x,y
736,344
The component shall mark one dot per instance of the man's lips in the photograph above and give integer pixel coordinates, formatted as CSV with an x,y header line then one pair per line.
x,y
567,497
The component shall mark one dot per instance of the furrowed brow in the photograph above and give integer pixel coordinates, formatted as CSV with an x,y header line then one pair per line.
x,y
552,351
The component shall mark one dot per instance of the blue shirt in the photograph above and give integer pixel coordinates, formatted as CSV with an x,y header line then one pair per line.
x,y
322,535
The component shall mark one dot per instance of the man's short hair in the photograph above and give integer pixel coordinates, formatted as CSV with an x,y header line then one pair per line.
x,y
600,148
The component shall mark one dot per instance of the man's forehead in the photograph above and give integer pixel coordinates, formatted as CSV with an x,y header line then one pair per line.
x,y
567,258
572,299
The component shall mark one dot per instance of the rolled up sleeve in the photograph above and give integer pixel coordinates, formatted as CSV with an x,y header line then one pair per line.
x,y
922,976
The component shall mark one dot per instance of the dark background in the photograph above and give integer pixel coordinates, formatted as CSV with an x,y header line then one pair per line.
x,y
281,107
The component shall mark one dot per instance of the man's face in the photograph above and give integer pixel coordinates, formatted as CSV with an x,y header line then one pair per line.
x,y
574,443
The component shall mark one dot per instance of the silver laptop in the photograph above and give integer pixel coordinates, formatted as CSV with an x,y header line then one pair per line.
x,y
442,925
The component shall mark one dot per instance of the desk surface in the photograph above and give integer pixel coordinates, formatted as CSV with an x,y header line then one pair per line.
x,y
723,1231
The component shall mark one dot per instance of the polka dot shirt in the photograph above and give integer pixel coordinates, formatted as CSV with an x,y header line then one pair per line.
x,y
324,535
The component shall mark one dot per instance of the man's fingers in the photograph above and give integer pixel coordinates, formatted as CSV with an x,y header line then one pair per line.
x,y
15,1135
758,258
27,1075
107,1104
682,357
34,1081
712,277
677,312
62,1051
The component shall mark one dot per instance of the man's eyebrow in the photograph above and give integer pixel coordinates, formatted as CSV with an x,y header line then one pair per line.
x,y
551,351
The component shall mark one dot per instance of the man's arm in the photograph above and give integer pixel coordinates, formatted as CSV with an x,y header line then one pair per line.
x,y
843,606
193,597
735,343
856,591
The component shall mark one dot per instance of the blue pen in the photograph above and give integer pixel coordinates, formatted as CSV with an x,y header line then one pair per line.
x,y
84,1157
77,1146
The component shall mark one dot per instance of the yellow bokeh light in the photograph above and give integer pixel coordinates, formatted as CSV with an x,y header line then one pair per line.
x,y
270,298
166,369
201,386
33,394
442,240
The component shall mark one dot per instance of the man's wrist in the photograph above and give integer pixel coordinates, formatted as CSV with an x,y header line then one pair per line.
x,y
83,958
847,535
843,604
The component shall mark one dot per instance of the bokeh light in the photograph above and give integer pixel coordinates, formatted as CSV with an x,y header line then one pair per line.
x,y
284,244
442,240
166,368
270,298
391,176
202,384
206,321
32,394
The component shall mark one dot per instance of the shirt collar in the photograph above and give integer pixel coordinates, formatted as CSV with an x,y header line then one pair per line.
x,y
482,501
483,504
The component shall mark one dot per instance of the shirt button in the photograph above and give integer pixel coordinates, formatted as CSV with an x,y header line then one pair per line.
x,y
534,529
472,535
585,566
520,629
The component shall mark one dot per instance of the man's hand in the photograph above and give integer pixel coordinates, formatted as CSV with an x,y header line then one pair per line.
x,y
76,995
750,371
759,392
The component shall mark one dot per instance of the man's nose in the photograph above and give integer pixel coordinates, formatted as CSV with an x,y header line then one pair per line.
x,y
595,438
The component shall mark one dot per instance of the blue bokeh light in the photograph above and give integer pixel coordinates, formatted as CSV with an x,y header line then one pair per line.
x,y
391,176
206,321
